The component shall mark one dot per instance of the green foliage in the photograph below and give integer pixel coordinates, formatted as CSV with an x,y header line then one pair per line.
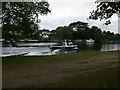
x,y
107,35
105,11
19,19
64,33
78,26
96,34
80,30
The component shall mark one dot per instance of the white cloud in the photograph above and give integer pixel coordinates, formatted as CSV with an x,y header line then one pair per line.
x,y
119,24
113,27
65,12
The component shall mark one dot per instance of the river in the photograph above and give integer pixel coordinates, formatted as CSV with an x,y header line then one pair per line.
x,y
33,49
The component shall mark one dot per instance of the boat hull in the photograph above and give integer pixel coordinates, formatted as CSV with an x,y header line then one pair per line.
x,y
66,46
63,48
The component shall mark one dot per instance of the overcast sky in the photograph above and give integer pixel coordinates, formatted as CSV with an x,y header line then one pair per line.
x,y
65,12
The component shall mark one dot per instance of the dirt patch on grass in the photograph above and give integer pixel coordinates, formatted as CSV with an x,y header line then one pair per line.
x,y
44,74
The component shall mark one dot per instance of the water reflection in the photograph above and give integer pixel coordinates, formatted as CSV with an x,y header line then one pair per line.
x,y
110,47
83,46
97,46
42,49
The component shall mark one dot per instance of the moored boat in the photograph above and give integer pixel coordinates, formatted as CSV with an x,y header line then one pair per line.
x,y
90,41
65,46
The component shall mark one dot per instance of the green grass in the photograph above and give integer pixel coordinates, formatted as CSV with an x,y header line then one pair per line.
x,y
106,78
96,78
20,60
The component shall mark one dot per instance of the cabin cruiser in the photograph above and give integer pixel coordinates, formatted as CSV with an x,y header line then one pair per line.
x,y
65,46
90,41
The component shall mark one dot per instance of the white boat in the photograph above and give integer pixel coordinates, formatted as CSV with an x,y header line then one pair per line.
x,y
14,54
65,46
90,41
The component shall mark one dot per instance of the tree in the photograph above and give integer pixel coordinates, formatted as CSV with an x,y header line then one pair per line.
x,y
64,33
105,11
97,34
81,29
79,25
109,35
19,19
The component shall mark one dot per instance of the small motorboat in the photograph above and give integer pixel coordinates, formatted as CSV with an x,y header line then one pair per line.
x,y
90,41
65,46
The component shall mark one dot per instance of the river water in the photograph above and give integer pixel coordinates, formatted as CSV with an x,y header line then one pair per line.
x,y
42,48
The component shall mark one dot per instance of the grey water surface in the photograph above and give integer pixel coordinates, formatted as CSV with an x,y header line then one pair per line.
x,y
34,49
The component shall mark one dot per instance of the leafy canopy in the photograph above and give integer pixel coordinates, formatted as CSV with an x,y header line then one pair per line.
x,y
79,25
19,19
105,11
64,32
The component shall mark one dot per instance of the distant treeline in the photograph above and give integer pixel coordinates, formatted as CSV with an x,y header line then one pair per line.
x,y
80,30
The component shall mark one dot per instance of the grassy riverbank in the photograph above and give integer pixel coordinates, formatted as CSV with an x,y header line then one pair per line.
x,y
20,60
74,70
